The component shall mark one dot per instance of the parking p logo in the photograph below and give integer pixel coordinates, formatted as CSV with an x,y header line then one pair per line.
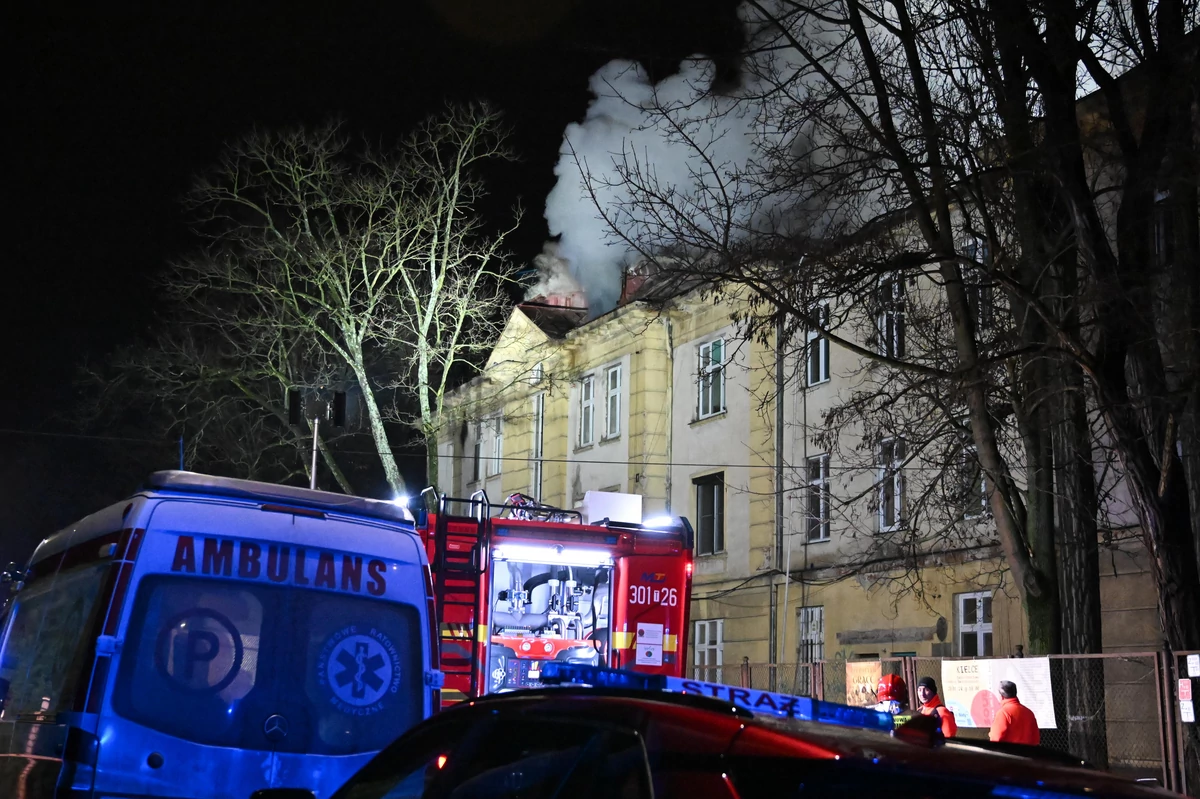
x,y
199,651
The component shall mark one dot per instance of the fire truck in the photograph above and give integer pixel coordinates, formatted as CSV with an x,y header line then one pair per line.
x,y
521,584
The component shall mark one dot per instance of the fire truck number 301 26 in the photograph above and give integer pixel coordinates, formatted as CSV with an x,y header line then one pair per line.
x,y
649,595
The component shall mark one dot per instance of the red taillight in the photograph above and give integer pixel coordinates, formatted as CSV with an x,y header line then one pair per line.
x,y
315,514
435,638
95,694
118,599
687,569
129,543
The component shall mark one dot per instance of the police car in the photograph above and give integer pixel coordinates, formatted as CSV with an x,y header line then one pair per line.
x,y
601,733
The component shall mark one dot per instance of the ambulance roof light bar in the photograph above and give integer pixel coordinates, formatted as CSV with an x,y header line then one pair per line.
x,y
781,705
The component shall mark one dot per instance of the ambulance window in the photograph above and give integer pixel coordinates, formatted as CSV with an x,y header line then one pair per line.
x,y
208,660
191,657
45,651
364,675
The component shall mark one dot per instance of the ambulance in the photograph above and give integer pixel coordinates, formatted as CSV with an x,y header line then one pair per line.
x,y
210,637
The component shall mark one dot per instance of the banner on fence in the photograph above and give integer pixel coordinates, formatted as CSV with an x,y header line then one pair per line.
x,y
971,688
862,679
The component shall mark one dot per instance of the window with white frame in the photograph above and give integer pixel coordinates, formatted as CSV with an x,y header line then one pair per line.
x,y
891,317
536,446
978,284
710,379
537,373
973,485
891,484
708,642
612,405
710,514
587,411
811,622
817,510
817,348
497,461
974,611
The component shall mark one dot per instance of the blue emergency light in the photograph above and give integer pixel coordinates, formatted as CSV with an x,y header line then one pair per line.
x,y
782,705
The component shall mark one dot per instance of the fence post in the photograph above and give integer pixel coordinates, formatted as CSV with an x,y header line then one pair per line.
x,y
745,672
1171,752
1162,720
909,669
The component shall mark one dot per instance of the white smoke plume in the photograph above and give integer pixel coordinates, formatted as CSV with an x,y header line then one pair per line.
x,y
621,124
707,154
554,276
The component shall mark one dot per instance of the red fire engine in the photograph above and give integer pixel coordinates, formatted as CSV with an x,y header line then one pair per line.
x,y
520,584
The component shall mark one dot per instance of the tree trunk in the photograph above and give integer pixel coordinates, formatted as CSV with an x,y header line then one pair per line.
x,y
431,461
334,469
1079,567
378,432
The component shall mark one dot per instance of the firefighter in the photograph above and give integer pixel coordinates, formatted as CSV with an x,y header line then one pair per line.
x,y
892,694
932,705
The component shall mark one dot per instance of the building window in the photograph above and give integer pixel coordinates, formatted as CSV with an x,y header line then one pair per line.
x,y
710,379
587,411
709,640
710,514
973,485
497,461
817,512
536,374
1164,230
612,415
817,349
812,633
978,284
974,624
891,484
891,317
477,458
536,451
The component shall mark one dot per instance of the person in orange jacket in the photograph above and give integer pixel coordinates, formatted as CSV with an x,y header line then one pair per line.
x,y
1014,723
932,705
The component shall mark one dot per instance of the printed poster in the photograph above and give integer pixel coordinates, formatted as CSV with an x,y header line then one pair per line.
x,y
862,680
971,689
649,645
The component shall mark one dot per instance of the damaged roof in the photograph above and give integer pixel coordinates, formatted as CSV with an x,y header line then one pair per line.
x,y
554,320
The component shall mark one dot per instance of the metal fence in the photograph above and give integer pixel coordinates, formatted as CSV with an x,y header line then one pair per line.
x,y
1118,711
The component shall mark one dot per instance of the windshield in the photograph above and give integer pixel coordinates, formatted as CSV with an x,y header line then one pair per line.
x,y
213,661
46,647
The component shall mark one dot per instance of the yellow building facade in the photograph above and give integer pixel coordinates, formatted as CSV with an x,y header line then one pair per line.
x,y
671,402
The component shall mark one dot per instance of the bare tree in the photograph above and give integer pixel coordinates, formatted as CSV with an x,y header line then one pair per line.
x,y
890,140
216,375
358,254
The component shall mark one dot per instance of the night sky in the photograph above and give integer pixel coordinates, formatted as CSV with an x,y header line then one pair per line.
x,y
111,112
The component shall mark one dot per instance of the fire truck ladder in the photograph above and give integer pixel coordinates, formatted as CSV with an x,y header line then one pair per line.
x,y
460,558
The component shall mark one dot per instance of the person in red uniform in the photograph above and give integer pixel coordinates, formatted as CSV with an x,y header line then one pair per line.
x,y
1014,723
932,705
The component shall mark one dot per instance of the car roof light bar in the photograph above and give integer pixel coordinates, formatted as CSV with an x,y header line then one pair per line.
x,y
766,702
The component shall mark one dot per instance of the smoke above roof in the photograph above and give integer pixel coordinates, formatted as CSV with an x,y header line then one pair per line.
x,y
713,165
624,130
